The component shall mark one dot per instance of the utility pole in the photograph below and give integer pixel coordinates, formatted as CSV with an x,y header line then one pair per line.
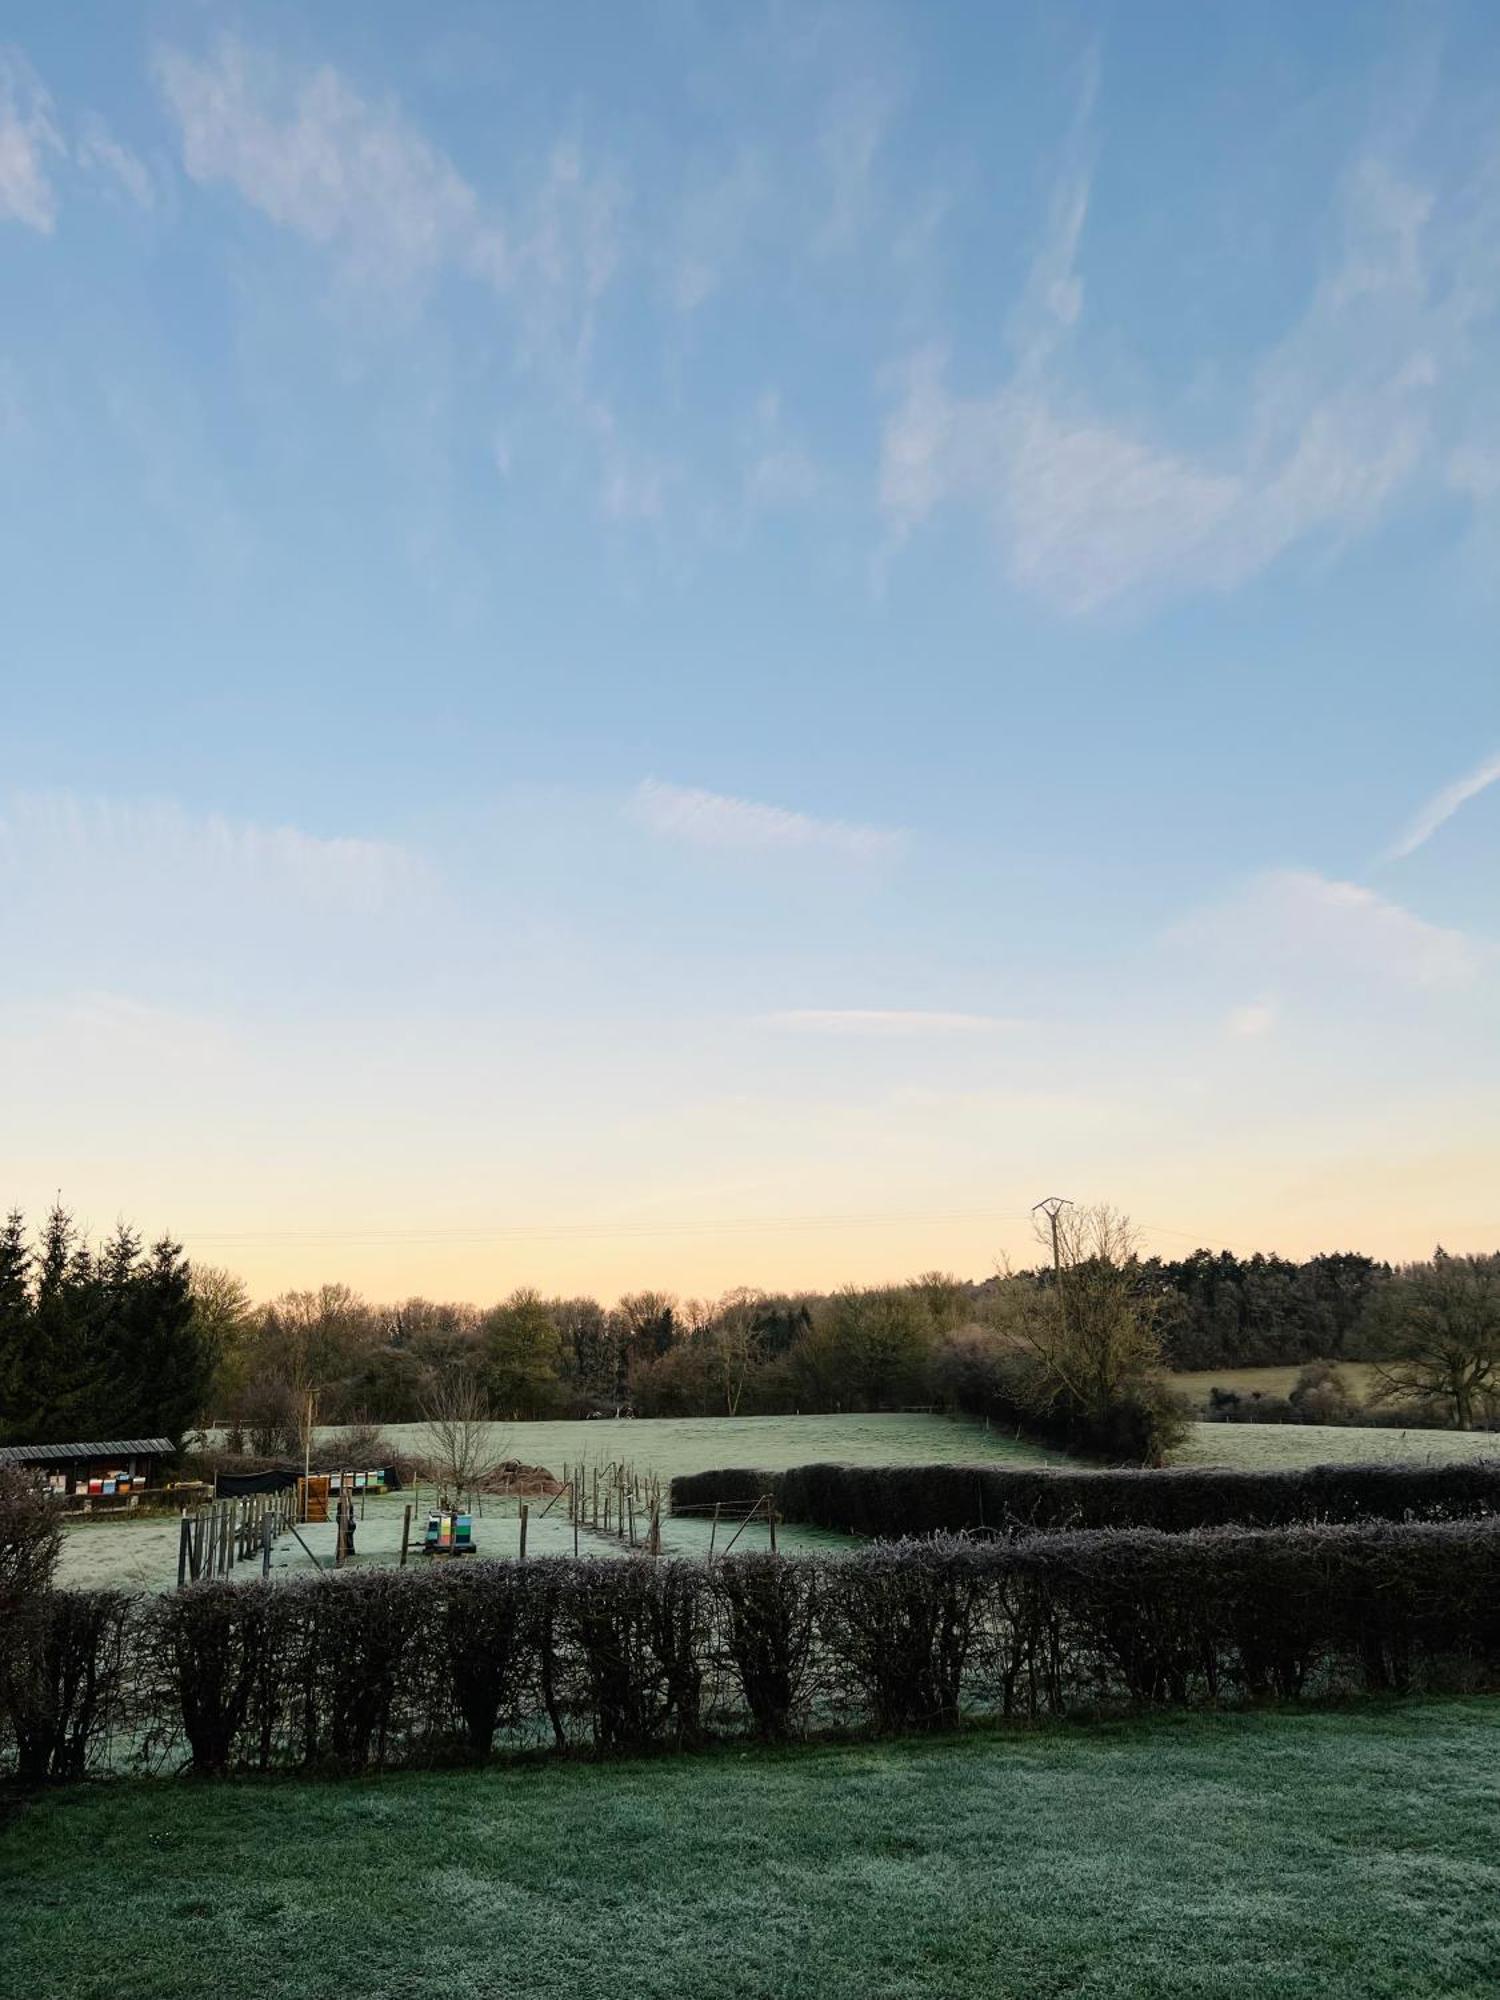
x,y
1052,1207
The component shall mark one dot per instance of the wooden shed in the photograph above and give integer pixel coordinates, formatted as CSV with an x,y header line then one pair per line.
x,y
103,1469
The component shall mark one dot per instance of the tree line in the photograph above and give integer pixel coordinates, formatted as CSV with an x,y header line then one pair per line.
x,y
97,1341
122,1340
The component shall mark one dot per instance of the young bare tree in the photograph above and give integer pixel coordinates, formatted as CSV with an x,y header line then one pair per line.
x,y
1438,1324
734,1344
464,1448
1090,1329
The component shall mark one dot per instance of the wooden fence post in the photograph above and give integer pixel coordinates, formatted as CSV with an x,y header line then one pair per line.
x,y
184,1544
405,1532
525,1512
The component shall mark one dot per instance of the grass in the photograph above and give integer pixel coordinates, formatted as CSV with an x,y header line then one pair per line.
x,y
1276,1381
1341,1855
1268,1447
142,1555
673,1445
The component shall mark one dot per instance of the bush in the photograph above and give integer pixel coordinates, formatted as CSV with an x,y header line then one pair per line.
x,y
767,1623
30,1540
65,1680
978,1371
888,1502
396,1668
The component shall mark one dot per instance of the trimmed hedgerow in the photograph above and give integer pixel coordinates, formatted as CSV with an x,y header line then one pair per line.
x,y
67,1684
886,1502
379,1669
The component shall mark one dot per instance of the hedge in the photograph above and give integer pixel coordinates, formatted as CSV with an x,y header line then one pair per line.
x,y
382,1668
891,1501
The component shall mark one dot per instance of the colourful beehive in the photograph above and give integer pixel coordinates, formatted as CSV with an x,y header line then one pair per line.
x,y
448,1534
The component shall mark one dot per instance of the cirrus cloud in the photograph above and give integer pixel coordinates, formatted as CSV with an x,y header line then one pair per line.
x,y
1441,807
713,819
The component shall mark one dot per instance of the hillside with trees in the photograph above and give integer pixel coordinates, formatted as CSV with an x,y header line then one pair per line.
x,y
119,1339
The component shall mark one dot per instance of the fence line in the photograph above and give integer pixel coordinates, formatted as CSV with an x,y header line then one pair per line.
x,y
218,1534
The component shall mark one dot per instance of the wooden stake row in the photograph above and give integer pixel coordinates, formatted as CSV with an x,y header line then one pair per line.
x,y
220,1533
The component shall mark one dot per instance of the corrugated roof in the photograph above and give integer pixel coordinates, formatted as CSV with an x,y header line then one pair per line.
x,y
34,1454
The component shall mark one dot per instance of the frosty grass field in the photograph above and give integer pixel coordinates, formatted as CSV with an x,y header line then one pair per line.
x,y
142,1555
1278,1855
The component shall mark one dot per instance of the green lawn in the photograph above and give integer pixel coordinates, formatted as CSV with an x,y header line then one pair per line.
x,y
1269,1447
1274,1381
1345,1855
672,1445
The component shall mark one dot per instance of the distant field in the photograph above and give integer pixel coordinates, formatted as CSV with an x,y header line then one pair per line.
x,y
1263,1447
1342,1855
143,1555
672,1445
1197,1383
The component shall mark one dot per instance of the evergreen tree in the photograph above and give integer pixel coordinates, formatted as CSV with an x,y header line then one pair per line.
x,y
15,1323
102,1344
54,1394
162,1360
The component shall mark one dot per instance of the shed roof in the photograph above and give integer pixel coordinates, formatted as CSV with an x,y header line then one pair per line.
x,y
43,1454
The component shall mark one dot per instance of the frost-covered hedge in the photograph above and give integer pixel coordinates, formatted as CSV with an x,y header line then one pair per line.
x,y
382,1668
903,1500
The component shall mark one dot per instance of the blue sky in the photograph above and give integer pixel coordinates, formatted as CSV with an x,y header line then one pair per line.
x,y
719,644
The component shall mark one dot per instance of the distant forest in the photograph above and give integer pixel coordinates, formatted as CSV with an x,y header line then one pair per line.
x,y
748,1351
120,1340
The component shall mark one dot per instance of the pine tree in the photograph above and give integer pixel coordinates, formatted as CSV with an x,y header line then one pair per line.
x,y
15,1324
54,1392
166,1357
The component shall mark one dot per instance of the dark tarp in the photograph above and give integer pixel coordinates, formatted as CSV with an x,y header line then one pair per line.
x,y
235,1485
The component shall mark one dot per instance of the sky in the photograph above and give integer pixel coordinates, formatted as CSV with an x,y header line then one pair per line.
x,y
696,645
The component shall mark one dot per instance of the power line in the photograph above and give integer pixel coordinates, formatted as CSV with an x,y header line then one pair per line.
x,y
730,1226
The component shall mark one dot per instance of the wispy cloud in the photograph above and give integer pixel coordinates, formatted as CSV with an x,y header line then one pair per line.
x,y
1309,927
311,154
710,819
99,152
359,179
853,131
109,848
898,1022
1343,414
317,157
1441,807
29,140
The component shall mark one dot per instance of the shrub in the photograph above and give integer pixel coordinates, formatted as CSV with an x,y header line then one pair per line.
x,y
30,1540
638,1630
490,1632
394,1668
985,1374
902,1621
65,1676
888,1502
218,1646
767,1615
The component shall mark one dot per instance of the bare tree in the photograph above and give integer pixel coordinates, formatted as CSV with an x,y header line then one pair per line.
x,y
1439,1327
1089,1326
464,1449
735,1343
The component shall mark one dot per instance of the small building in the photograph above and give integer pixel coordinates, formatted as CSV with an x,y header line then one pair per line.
x,y
117,1467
